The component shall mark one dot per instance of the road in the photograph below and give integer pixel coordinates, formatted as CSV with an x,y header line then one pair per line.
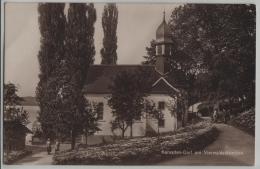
x,y
230,140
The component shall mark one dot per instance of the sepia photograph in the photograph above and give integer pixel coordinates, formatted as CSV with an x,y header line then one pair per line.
x,y
162,84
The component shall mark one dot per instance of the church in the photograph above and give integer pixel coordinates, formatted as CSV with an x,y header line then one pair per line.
x,y
100,77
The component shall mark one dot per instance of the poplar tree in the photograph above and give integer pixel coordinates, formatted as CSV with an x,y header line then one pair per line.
x,y
79,55
109,24
52,28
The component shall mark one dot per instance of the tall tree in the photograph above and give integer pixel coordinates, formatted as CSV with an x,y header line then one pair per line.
x,y
213,36
127,98
210,51
150,58
52,28
14,113
79,55
109,23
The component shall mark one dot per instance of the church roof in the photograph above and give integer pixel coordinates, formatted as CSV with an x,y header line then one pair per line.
x,y
163,32
100,78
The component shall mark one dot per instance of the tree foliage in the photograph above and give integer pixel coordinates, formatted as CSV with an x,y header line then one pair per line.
x,y
214,55
12,105
67,50
127,98
90,119
79,55
52,28
150,58
13,114
154,112
109,24
220,39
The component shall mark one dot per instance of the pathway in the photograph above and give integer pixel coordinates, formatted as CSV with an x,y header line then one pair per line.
x,y
38,156
230,140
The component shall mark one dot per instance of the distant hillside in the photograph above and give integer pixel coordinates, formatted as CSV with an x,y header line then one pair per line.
x,y
29,101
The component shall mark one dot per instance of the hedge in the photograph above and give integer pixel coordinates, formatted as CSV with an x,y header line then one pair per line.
x,y
146,150
245,121
15,155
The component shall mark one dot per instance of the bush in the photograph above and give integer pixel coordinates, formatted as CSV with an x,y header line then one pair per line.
x,y
15,155
245,121
144,150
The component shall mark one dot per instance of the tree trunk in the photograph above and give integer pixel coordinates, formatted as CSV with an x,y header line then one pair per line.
x,y
185,114
73,139
123,133
123,130
131,129
158,130
86,137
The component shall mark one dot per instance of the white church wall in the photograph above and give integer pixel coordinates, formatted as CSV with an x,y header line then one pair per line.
x,y
139,127
105,124
170,120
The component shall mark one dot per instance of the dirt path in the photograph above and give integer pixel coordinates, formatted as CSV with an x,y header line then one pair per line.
x,y
230,140
38,156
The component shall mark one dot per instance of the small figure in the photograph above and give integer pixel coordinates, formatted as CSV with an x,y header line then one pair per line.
x,y
57,146
215,116
48,144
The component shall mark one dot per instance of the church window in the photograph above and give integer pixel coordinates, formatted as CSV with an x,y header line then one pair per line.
x,y
161,122
100,111
161,105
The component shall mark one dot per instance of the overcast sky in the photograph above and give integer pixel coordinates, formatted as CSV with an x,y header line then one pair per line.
x,y
137,24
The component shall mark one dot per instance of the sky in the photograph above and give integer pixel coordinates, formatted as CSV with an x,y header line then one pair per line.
x,y
137,24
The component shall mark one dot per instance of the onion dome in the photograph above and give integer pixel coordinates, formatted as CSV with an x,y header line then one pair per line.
x,y
163,32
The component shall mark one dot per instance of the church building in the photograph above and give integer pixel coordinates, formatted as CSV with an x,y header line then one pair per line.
x,y
100,77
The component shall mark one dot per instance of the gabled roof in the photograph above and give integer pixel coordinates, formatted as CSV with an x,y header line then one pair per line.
x,y
100,78
165,83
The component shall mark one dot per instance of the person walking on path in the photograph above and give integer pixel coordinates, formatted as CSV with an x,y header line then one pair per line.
x,y
48,145
215,116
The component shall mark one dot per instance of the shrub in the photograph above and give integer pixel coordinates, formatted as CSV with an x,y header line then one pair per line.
x,y
15,155
144,150
245,121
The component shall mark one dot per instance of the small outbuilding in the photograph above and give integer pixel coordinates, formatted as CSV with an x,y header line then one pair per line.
x,y
14,135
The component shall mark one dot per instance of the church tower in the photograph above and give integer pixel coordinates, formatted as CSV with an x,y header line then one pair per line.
x,y
163,47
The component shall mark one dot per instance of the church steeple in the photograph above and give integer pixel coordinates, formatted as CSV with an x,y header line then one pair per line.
x,y
164,16
163,46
